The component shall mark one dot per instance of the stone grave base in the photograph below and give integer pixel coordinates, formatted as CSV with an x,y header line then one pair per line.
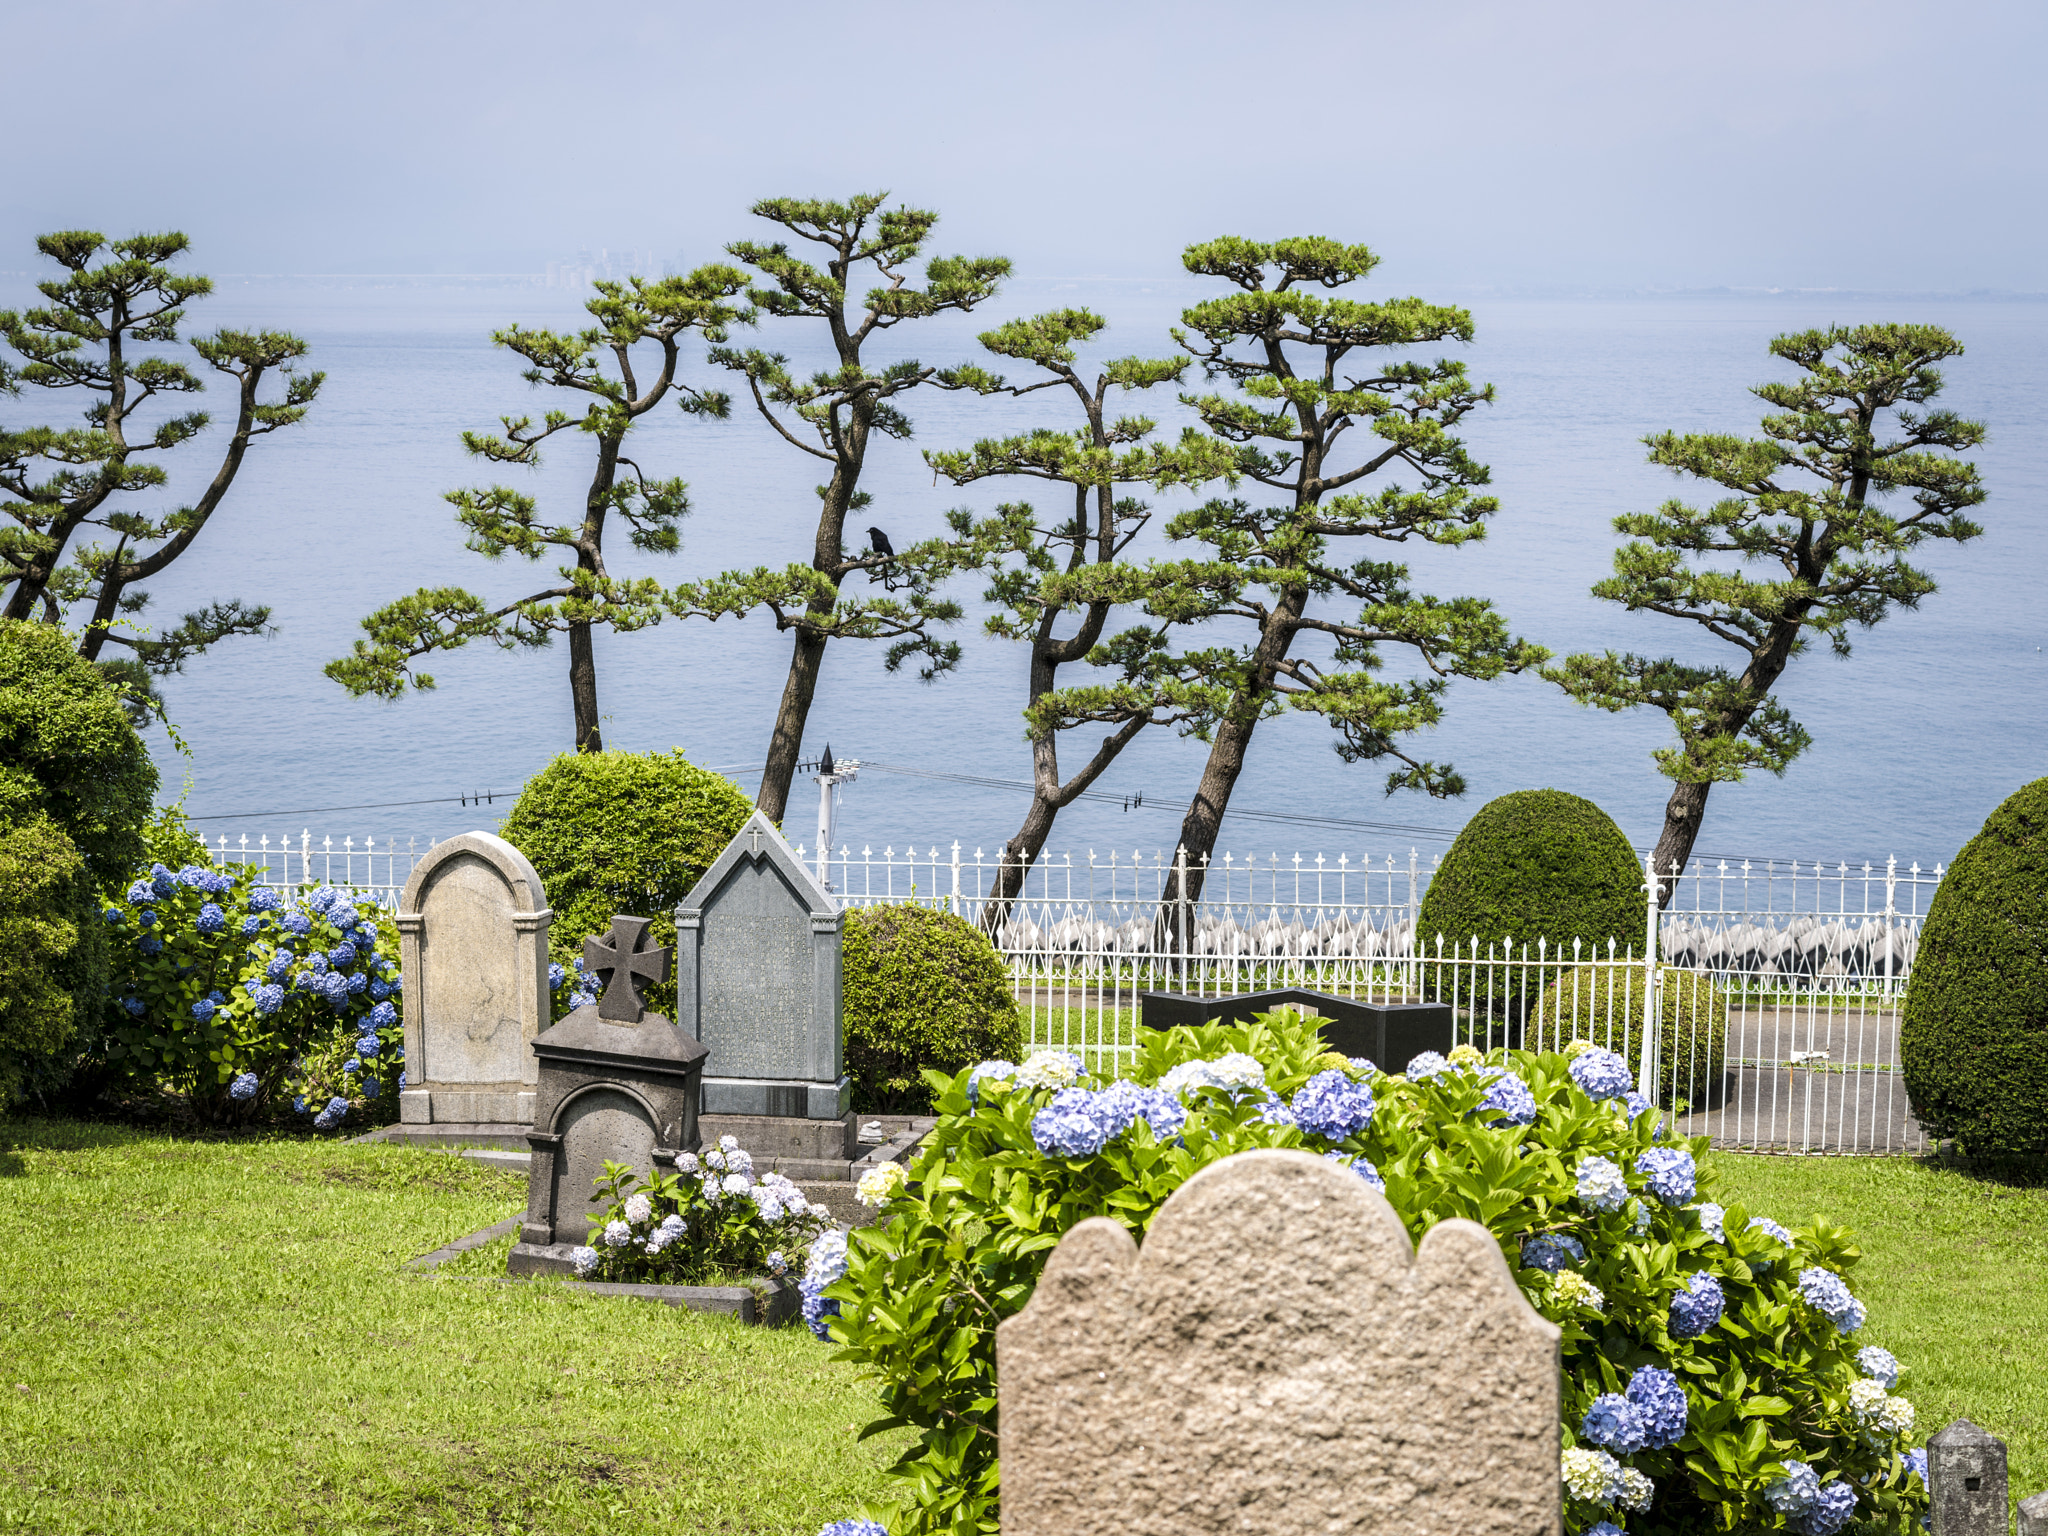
x,y
769,1301
455,1136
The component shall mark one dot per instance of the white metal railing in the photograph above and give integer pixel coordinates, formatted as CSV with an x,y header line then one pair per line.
x,y
297,862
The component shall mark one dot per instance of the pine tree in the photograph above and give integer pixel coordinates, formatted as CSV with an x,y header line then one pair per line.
x,y
103,332
599,366
1318,412
1808,505
832,416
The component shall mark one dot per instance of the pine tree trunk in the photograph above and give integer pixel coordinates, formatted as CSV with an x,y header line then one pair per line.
x,y
583,688
1683,813
806,661
1022,850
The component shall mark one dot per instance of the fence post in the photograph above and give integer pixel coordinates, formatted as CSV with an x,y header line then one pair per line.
x,y
1653,887
956,877
1891,886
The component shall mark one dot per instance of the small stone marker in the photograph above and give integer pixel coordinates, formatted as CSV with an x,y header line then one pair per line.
x,y
473,934
1966,1481
617,1084
1278,1359
2034,1515
757,982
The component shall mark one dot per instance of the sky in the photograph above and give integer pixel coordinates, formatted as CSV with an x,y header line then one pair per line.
x,y
1879,145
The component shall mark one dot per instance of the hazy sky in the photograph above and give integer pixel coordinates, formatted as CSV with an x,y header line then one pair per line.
x,y
1870,144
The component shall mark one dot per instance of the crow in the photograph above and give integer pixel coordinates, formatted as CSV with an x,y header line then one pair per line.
x,y
880,542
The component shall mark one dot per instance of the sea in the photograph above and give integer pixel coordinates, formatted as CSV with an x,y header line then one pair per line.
x,y
1939,714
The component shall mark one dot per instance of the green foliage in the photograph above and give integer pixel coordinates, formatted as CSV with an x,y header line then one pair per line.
x,y
1536,864
924,991
1974,1038
100,332
1604,1004
1810,502
45,906
963,1247
622,832
686,1228
217,979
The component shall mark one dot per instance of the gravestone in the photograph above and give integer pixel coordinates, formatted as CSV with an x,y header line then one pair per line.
x,y
616,1084
1278,1359
1966,1481
757,982
473,935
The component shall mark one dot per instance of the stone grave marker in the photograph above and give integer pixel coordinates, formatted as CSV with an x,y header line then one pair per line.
x,y
1966,1481
616,1084
1278,1359
473,935
757,982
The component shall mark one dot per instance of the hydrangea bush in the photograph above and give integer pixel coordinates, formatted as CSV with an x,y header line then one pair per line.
x,y
1712,1377
227,990
734,1222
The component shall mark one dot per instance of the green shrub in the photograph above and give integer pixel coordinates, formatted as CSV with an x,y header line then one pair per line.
x,y
43,889
1974,1040
1605,1217
923,990
613,832
1604,1004
69,758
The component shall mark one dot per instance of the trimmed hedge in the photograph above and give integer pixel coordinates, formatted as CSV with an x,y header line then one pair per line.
x,y
1591,1002
46,899
1535,864
622,832
1974,1039
922,989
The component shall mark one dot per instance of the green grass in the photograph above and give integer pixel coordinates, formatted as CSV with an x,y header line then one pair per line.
x,y
219,1337
1955,1276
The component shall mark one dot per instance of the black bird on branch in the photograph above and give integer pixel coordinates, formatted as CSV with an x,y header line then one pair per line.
x,y
879,542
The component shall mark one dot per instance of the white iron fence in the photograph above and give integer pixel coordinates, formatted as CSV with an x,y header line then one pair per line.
x,y
1771,1017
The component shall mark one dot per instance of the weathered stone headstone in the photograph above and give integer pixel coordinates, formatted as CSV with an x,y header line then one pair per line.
x,y
1278,1359
757,982
1966,1481
473,933
616,1084
2034,1515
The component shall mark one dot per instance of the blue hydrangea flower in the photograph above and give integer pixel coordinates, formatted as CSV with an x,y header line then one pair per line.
x,y
1824,1291
1551,1251
383,1016
1614,1424
299,1105
141,893
268,998
264,899
351,1066
1637,1104
145,919
244,1087
342,955
133,1005
1914,1464
1710,1216
366,1047
1426,1066
378,991
371,1088
1601,1074
1509,1098
1602,1528
1601,1186
1880,1365
343,916
1794,1493
150,945
1332,1106
251,925
297,922
205,1009
824,1265
1832,1508
111,915
1765,1224
1361,1166
1698,1307
1273,1110
332,1115
1124,1103
1669,1173
853,1527
1661,1401
557,974
162,882
1069,1126
357,983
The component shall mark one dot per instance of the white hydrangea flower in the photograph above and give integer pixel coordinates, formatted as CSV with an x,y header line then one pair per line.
x,y
617,1234
880,1185
688,1163
582,1261
1467,1055
1592,1477
728,1143
1048,1069
1240,1073
737,1183
1183,1080
672,1224
1710,1216
1880,1416
639,1209
1881,1365
767,1201
1573,1289
1635,1490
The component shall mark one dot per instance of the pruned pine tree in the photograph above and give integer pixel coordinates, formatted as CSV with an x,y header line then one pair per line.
x,y
832,416
1813,507
1071,567
1323,416
74,548
598,365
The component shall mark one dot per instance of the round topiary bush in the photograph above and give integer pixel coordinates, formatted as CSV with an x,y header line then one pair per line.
x,y
923,989
612,832
1974,1039
1535,864
1604,1004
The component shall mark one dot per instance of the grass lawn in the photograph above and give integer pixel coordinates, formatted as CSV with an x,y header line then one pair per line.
x,y
1955,1276
217,1336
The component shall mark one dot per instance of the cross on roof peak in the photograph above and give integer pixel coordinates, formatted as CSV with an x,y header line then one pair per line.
x,y
624,964
754,839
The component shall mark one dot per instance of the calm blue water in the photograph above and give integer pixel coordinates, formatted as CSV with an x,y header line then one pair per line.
x,y
1937,717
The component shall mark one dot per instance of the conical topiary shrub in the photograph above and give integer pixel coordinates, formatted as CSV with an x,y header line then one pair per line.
x,y
1974,1039
1538,864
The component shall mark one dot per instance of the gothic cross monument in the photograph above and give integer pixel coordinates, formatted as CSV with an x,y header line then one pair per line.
x,y
624,964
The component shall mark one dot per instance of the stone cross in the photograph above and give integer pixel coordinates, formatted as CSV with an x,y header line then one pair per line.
x,y
624,963
1966,1481
1276,1359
